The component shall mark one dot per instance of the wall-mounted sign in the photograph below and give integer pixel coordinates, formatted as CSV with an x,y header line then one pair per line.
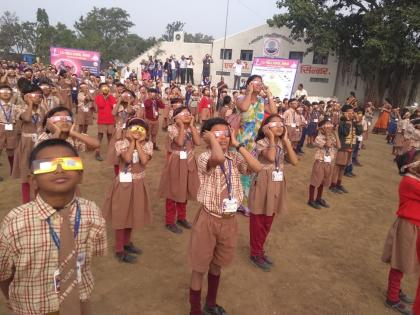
x,y
308,69
271,47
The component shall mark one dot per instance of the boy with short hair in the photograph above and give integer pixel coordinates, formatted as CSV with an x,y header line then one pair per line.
x,y
46,246
214,232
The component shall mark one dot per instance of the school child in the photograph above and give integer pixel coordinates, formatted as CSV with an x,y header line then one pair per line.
x,y
400,140
401,248
31,117
293,123
194,100
58,124
179,181
327,143
122,112
313,119
215,230
127,205
392,126
47,245
267,195
85,108
227,107
205,106
165,112
8,119
348,130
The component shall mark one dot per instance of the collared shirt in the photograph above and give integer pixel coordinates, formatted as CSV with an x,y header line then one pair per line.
x,y
80,146
290,117
12,111
105,106
28,253
213,181
151,108
321,151
264,144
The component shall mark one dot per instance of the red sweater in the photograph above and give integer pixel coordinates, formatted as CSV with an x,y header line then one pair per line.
x,y
105,106
410,199
205,102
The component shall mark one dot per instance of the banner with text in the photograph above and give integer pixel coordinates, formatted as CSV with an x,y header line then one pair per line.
x,y
278,74
75,59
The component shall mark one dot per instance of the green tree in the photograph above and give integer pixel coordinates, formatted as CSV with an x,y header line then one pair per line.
x,y
104,30
133,45
381,36
198,38
44,35
64,37
25,40
171,28
9,30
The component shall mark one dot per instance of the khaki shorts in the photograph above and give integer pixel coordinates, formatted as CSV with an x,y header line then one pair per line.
x,y
343,158
106,129
153,127
213,240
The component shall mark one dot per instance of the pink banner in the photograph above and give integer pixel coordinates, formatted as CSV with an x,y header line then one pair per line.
x,y
75,59
275,63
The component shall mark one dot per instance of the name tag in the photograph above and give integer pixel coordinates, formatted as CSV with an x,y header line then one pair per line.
x,y
126,177
396,119
74,89
8,127
315,120
15,90
85,109
136,157
56,277
277,176
123,125
359,138
81,257
34,138
369,123
230,205
293,125
327,158
183,155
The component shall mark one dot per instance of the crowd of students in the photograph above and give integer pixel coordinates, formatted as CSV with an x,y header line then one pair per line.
x,y
47,243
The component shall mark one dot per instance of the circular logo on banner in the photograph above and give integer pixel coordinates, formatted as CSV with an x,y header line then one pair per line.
x,y
271,46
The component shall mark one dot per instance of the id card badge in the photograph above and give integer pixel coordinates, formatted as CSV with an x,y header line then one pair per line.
x,y
369,123
8,127
126,177
230,205
360,138
183,155
277,176
293,125
316,120
81,257
327,158
123,125
85,109
34,138
74,89
136,158
56,279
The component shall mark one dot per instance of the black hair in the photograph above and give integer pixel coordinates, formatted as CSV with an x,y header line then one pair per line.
x,y
175,100
50,143
226,100
180,109
292,100
135,121
252,78
405,159
213,122
31,89
6,86
353,94
260,134
323,122
52,112
119,84
346,107
102,84
153,90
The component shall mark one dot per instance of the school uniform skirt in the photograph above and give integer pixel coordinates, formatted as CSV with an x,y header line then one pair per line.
x,y
179,181
127,205
321,173
84,118
294,134
311,130
400,249
8,139
21,158
205,114
266,196
165,112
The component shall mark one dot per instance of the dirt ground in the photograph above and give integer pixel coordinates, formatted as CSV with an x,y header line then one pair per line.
x,y
326,261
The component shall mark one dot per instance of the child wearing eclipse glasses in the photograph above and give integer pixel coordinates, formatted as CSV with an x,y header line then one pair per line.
x,y
179,181
127,205
215,230
267,194
47,245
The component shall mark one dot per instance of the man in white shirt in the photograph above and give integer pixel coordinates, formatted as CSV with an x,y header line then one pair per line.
x,y
182,68
190,70
237,74
300,91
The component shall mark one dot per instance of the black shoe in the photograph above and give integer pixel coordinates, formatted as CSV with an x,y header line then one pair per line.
x,y
214,310
398,307
357,163
130,248
184,223
322,203
126,258
268,260
340,187
314,204
350,174
173,228
260,262
1,179
405,298
335,190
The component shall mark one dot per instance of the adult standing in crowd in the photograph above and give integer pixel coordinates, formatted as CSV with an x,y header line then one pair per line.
x,y
182,69
300,92
190,70
237,74
206,66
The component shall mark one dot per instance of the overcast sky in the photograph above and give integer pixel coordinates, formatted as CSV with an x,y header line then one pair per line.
x,y
150,17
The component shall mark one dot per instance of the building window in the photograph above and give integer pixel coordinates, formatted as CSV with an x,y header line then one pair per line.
x,y
226,54
246,55
320,59
296,55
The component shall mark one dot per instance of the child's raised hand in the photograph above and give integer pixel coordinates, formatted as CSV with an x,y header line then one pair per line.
x,y
53,127
268,132
208,137
233,140
72,130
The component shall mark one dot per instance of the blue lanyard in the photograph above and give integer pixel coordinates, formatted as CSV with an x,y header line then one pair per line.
x,y
35,121
7,116
54,235
277,158
228,177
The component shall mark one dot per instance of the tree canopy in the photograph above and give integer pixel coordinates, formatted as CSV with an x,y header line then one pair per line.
x,y
381,36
